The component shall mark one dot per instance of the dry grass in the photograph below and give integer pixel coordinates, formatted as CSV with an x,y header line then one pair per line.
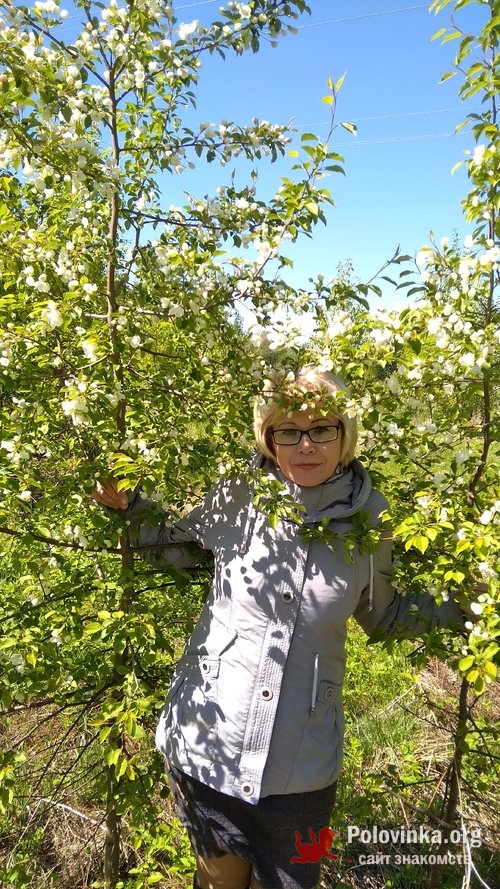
x,y
434,705
58,827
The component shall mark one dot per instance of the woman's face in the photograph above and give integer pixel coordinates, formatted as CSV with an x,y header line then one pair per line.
x,y
307,462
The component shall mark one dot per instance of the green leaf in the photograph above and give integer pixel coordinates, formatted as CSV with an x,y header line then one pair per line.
x,y
453,35
313,208
490,670
92,628
420,542
121,767
479,685
338,83
462,546
113,755
104,733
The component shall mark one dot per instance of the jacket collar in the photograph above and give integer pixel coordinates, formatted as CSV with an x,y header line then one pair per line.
x,y
342,495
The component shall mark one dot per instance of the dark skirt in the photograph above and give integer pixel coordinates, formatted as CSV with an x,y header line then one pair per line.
x,y
262,834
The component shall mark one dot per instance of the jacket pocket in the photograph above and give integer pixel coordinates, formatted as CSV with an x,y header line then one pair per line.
x,y
192,710
329,694
323,737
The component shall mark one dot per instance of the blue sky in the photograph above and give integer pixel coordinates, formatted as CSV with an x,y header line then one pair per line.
x,y
398,184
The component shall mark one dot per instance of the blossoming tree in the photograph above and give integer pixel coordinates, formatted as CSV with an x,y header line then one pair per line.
x,y
425,379
121,352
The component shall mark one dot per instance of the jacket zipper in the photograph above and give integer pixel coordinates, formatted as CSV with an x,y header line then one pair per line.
x,y
315,684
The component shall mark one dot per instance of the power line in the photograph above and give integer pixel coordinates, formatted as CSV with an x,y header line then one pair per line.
x,y
360,119
326,21
200,3
354,18
415,113
398,116
366,15
420,138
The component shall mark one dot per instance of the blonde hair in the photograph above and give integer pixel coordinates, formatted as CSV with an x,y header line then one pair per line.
x,y
309,388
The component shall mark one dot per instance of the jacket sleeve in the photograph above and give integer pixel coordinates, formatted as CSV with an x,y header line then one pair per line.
x,y
163,541
383,612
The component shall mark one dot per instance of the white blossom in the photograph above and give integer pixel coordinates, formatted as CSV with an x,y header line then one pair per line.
x,y
324,364
415,373
47,6
89,349
489,257
467,360
16,659
51,315
244,10
339,325
186,29
434,324
486,571
462,456
478,156
176,311
423,257
77,409
423,501
381,334
486,517
438,480
395,430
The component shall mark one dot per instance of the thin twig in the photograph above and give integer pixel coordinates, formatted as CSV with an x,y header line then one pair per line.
x,y
73,811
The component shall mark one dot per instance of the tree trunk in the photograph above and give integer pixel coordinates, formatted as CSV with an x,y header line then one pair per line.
x,y
453,785
111,863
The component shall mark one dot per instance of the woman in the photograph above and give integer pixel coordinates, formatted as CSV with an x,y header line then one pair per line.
x,y
252,728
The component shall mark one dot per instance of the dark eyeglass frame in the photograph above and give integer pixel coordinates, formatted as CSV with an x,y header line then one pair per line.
x,y
302,432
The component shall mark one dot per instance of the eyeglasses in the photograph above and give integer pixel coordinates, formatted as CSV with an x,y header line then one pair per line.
x,y
317,434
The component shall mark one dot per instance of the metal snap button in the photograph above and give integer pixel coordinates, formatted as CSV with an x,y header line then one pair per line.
x,y
328,694
266,693
247,789
287,596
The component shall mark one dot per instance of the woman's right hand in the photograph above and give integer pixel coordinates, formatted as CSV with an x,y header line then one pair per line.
x,y
107,494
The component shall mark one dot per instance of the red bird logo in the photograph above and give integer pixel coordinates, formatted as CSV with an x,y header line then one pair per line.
x,y
310,853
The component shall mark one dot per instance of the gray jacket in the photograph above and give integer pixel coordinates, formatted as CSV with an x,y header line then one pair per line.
x,y
254,707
